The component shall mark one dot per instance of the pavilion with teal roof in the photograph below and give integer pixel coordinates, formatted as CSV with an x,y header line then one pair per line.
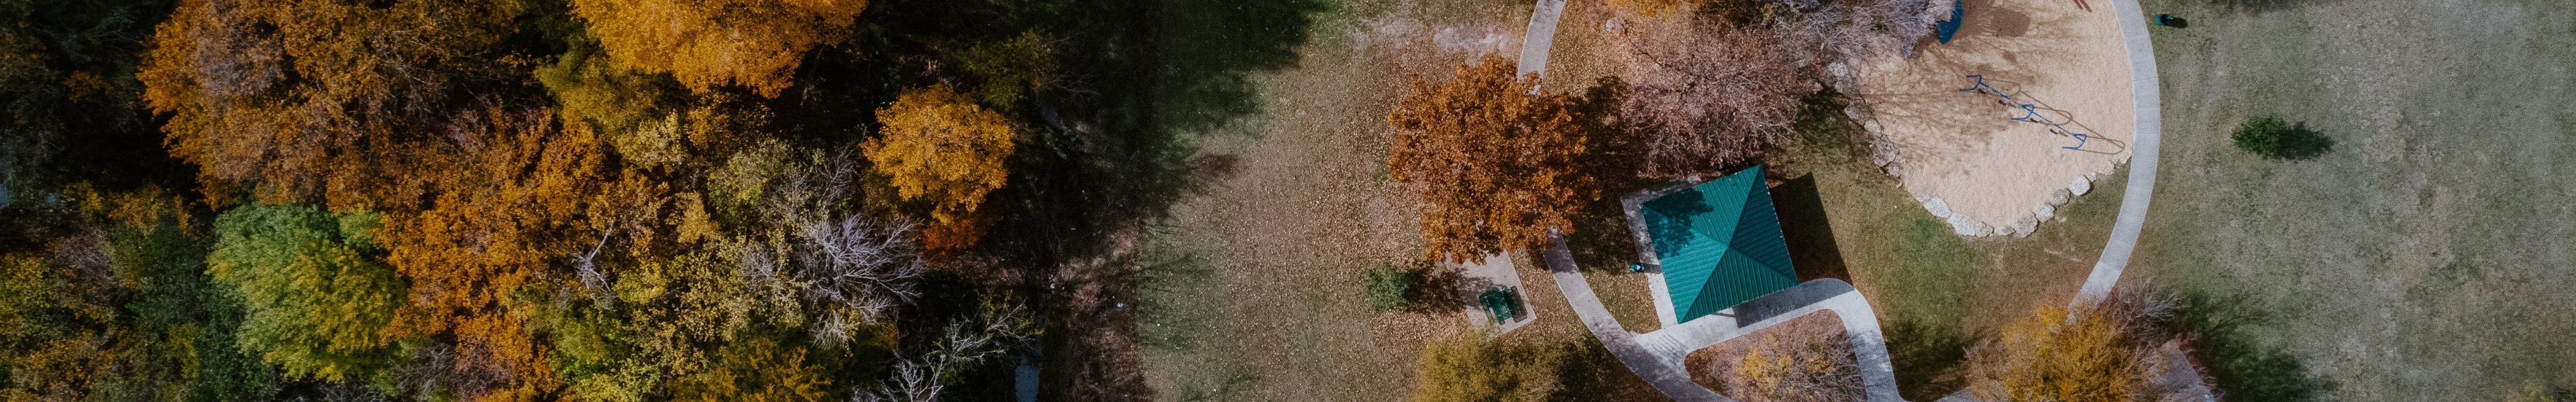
x,y
1710,246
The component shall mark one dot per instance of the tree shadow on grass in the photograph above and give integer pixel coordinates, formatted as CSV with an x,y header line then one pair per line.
x,y
1142,82
1438,290
2302,143
1587,372
1927,358
2242,368
1600,238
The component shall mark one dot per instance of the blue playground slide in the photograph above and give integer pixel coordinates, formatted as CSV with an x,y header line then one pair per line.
x,y
1950,26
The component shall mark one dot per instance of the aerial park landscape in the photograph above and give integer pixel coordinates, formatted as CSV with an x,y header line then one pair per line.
x,y
1287,200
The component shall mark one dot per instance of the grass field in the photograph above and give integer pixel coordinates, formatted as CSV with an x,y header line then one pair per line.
x,y
2424,256
1934,291
1251,290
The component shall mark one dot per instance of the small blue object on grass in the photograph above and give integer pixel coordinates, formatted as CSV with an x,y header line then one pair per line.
x,y
2170,20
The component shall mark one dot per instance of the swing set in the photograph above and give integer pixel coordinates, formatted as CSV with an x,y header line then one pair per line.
x,y
2030,112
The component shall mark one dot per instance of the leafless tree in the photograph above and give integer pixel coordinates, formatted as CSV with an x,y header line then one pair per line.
x,y
1854,29
849,267
856,269
1703,95
997,329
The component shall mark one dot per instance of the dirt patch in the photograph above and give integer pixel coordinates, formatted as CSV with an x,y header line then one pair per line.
x,y
1962,153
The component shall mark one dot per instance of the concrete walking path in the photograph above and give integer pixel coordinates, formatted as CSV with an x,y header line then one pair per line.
x,y
1657,357
2145,88
1666,377
1541,34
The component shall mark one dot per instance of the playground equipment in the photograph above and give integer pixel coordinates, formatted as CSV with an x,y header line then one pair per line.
x,y
1958,9
2030,112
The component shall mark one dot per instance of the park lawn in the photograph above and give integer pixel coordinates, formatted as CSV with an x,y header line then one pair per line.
x,y
2424,256
1934,290
1251,289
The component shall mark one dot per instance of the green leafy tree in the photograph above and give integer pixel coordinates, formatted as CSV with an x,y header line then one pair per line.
x,y
317,296
2261,135
1388,286
757,370
1010,69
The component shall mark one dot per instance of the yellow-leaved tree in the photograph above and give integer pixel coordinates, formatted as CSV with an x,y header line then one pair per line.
x,y
709,43
938,145
2058,354
1470,367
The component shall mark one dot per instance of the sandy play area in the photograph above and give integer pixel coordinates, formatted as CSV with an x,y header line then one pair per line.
x,y
1962,155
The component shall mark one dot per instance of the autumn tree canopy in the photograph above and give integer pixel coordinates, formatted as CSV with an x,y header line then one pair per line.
x,y
317,296
303,98
755,44
1494,163
509,200
939,146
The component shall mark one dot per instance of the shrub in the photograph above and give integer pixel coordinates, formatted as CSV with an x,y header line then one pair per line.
x,y
2262,135
2099,352
2532,392
1818,370
2048,356
1388,286
1470,367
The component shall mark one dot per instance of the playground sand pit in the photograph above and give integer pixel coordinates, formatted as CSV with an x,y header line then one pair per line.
x,y
1963,155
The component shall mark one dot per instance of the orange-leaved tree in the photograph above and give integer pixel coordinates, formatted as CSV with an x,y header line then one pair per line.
x,y
705,44
293,99
938,145
512,205
1494,162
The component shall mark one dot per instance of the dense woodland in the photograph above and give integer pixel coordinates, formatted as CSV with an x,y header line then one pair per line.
x,y
612,200
630,200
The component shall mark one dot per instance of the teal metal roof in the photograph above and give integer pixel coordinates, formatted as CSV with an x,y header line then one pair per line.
x,y
1720,244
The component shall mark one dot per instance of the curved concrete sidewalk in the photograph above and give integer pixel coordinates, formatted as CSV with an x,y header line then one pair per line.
x,y
1666,377
1542,32
2145,89
1657,357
